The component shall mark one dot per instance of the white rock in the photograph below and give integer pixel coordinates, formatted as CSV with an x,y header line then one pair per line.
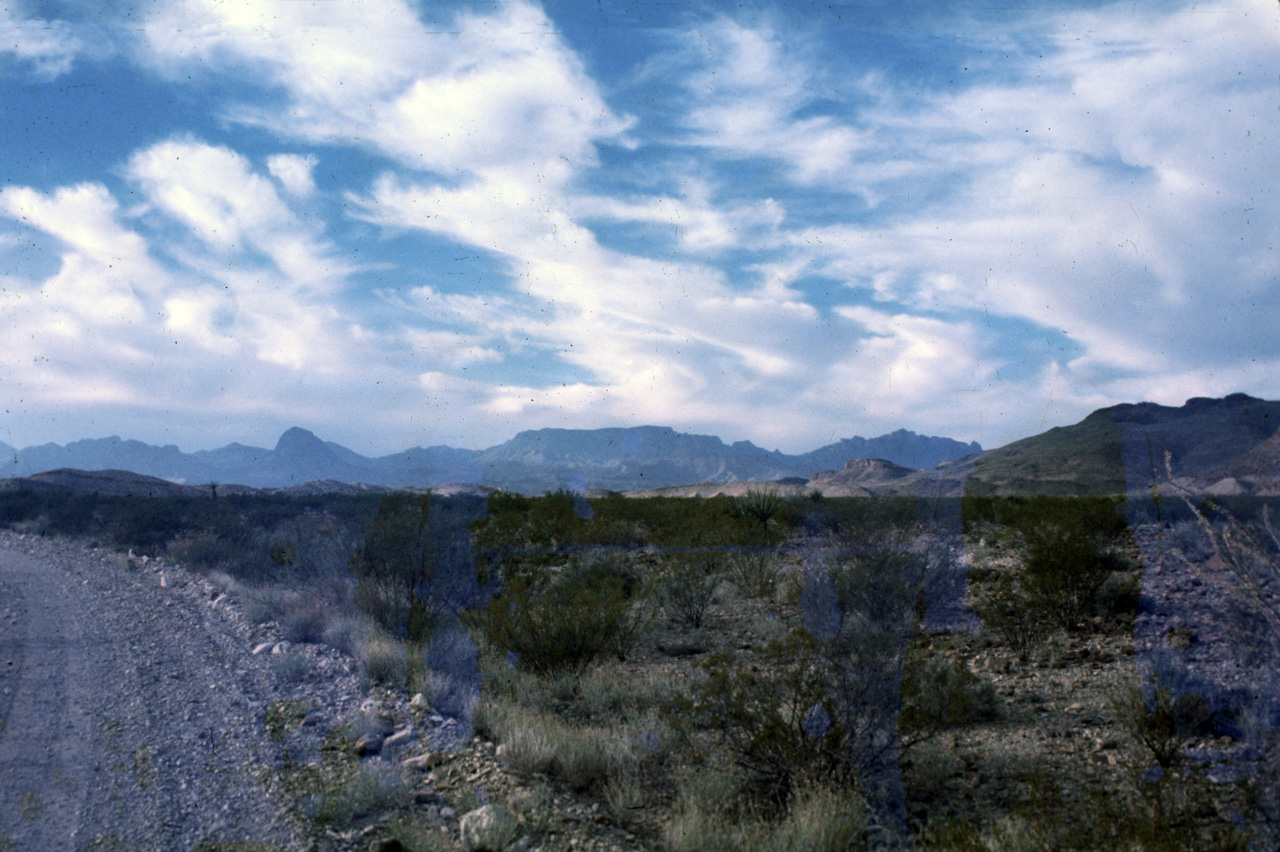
x,y
490,828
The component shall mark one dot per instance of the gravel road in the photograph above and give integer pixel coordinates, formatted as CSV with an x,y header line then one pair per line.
x,y
131,711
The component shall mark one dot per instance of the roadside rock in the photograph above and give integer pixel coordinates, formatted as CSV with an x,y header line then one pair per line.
x,y
490,828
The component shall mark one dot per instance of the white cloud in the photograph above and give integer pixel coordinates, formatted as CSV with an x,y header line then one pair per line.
x,y
748,98
497,91
49,47
232,209
294,172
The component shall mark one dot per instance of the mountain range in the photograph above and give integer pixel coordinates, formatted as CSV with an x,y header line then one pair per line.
x,y
1222,446
532,462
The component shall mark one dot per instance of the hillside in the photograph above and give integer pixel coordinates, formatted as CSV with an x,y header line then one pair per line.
x,y
1125,447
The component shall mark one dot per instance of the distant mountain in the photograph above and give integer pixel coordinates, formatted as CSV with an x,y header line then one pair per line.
x,y
903,448
1133,447
532,462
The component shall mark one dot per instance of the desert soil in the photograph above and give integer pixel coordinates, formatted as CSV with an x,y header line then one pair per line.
x,y
131,709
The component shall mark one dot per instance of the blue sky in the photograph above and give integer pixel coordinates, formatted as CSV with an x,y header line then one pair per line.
x,y
400,224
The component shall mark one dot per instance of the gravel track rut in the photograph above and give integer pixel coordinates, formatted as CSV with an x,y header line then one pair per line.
x,y
130,713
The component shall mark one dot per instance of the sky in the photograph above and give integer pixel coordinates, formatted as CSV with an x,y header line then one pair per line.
x,y
401,223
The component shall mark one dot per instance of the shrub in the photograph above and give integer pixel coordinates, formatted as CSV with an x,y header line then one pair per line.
x,y
564,624
755,573
376,787
1064,569
395,563
584,757
1162,721
344,634
304,624
293,668
385,662
775,718
687,587
937,694
1006,608
710,817
283,553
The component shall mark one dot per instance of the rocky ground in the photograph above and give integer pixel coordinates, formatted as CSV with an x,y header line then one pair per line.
x,y
139,710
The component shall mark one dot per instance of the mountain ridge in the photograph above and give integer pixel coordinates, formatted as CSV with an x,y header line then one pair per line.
x,y
533,461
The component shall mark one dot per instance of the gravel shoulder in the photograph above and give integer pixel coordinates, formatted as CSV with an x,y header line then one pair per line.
x,y
131,708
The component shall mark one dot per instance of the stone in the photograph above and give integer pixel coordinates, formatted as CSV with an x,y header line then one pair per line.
x,y
490,828
388,844
399,738
369,744
423,762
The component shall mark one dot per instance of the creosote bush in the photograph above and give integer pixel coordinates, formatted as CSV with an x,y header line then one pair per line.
x,y
1063,572
686,587
774,717
1162,721
563,623
937,695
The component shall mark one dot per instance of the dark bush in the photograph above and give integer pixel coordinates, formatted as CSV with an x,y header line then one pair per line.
x,y
1063,572
394,565
564,623
687,585
1162,721
937,694
775,717
1010,612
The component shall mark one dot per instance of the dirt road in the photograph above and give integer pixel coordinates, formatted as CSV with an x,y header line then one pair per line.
x,y
130,713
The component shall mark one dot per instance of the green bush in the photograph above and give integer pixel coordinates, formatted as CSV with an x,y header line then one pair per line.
x,y
1162,722
937,694
774,717
385,662
375,789
396,561
1007,609
565,623
283,553
687,586
1063,572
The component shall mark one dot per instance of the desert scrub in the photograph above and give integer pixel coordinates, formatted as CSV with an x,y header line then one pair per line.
x,y
937,695
1161,721
755,573
686,586
710,816
376,787
1009,611
583,757
775,718
561,623
293,668
385,661
1063,572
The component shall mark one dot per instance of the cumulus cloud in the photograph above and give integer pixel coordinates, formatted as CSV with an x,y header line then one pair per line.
x,y
232,209
498,91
